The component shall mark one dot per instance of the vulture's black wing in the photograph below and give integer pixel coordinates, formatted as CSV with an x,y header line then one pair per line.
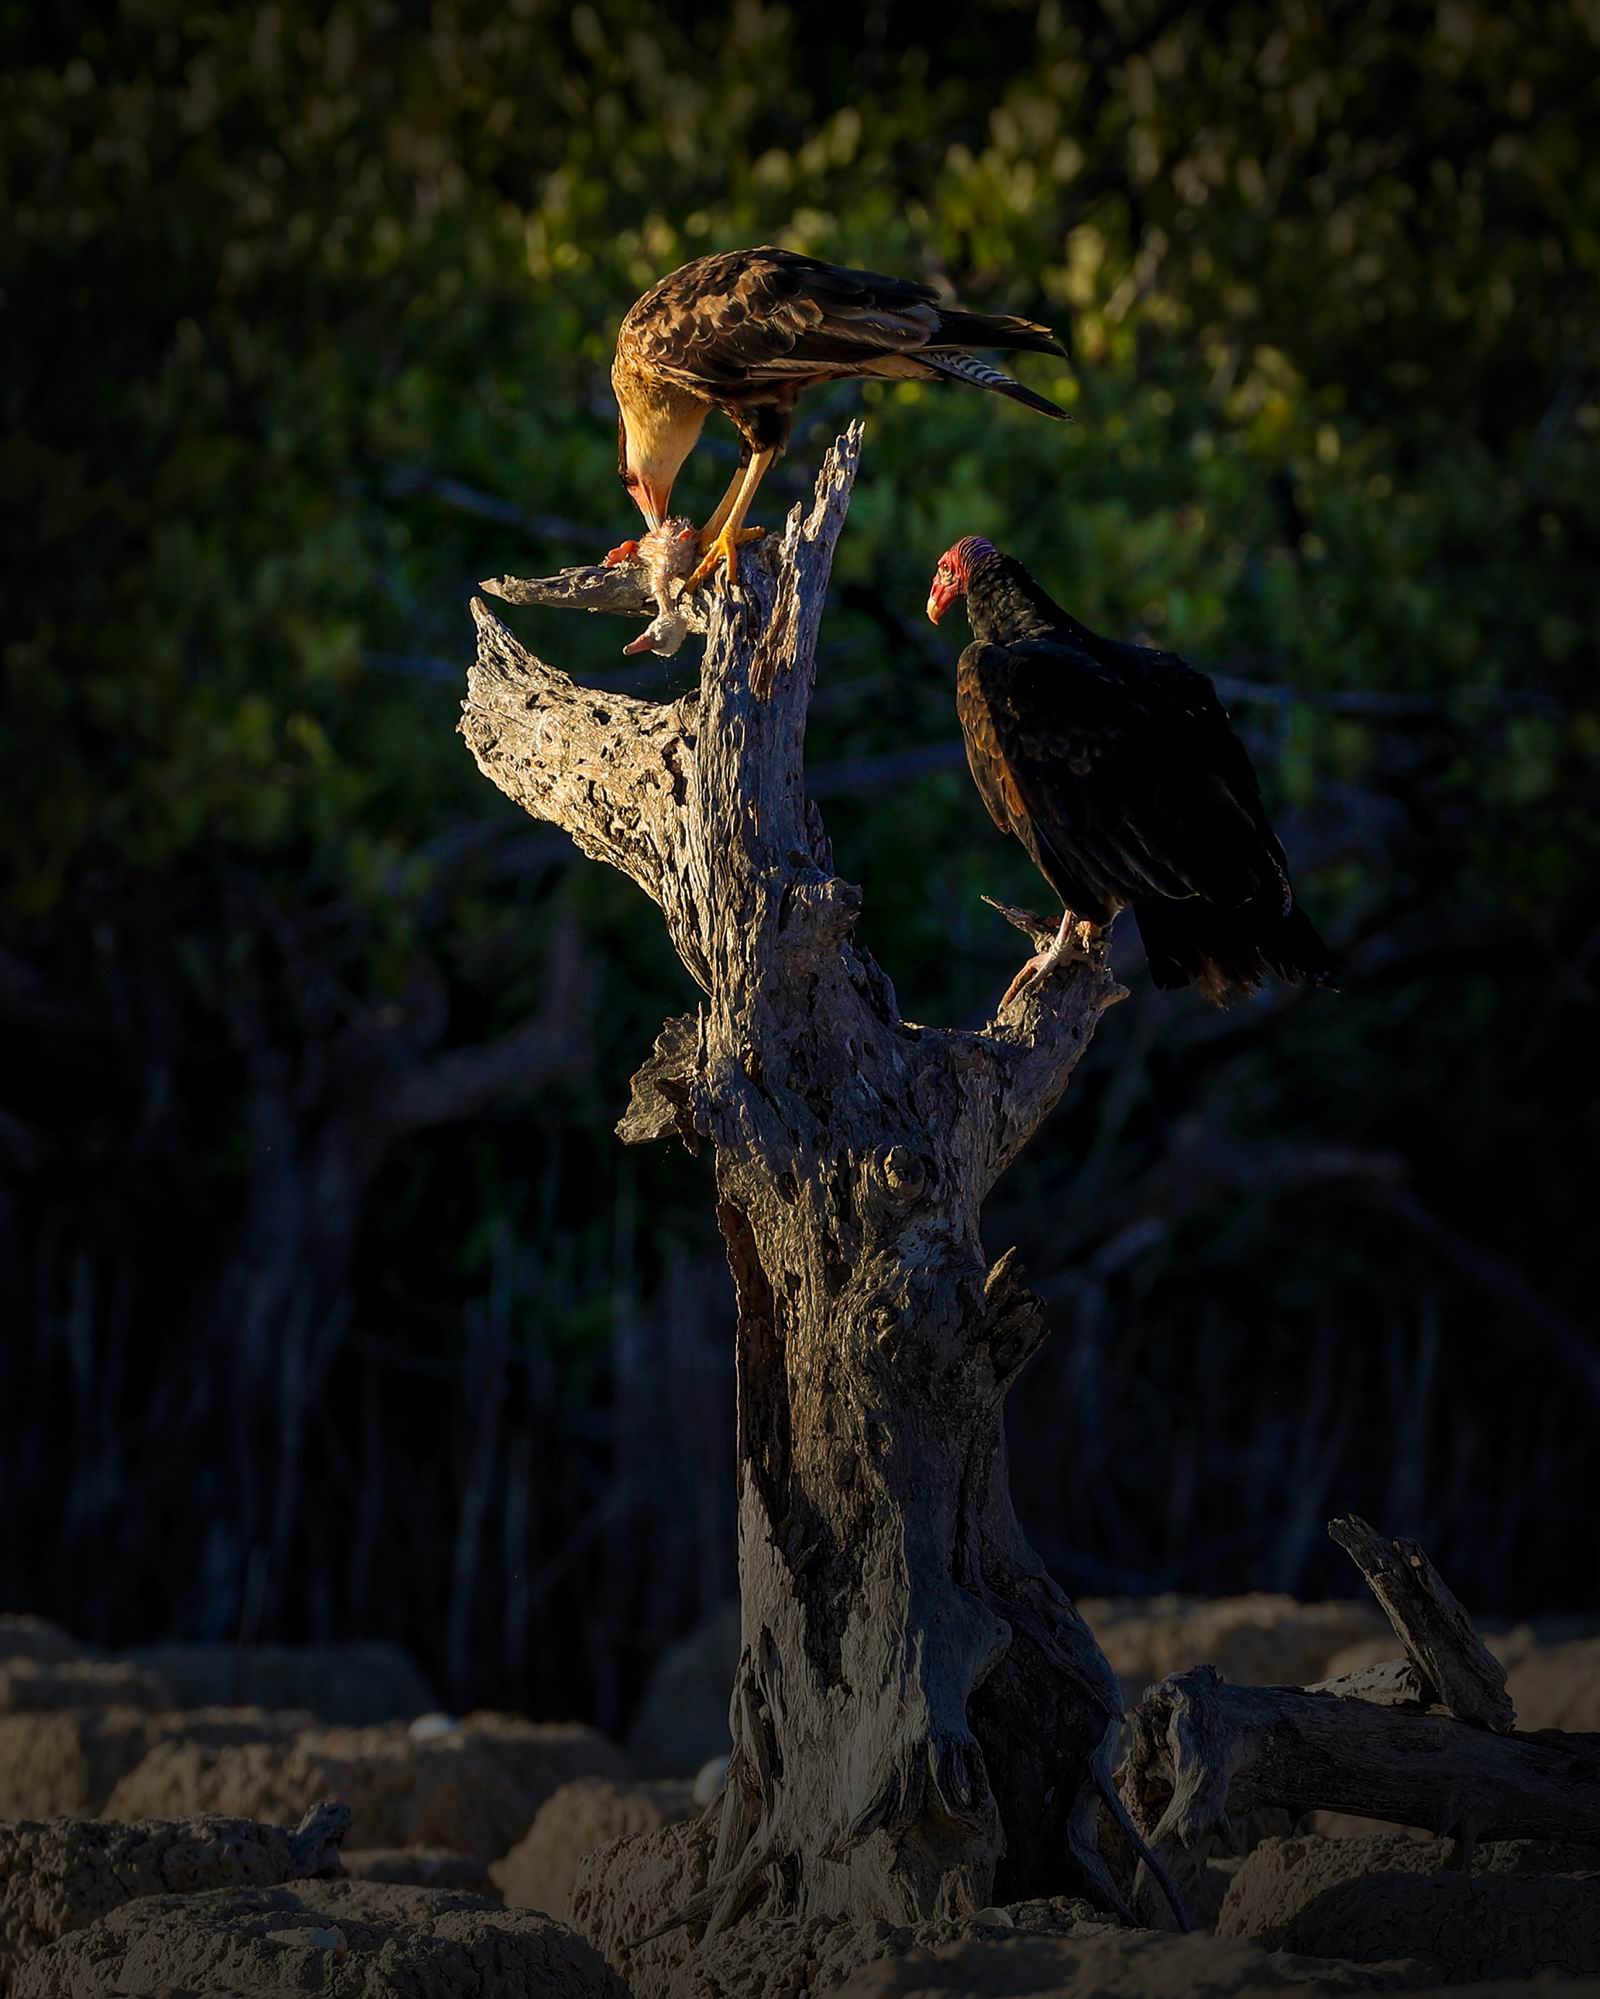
x,y
1124,779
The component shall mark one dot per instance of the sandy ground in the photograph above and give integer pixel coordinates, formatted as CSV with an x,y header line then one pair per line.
x,y
204,1820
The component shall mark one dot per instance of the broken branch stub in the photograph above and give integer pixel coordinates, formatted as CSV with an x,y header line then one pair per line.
x,y
1454,1667
623,590
922,1722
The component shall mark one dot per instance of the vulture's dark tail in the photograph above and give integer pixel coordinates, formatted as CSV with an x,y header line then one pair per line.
x,y
1227,953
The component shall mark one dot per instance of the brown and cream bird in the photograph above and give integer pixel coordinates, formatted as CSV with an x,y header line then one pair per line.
x,y
747,332
1118,770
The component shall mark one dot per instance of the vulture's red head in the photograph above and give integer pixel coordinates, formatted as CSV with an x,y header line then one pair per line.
x,y
950,579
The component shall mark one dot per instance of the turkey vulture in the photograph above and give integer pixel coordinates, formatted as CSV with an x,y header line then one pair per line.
x,y
1118,770
745,332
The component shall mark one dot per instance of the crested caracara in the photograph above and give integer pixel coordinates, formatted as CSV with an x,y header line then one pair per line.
x,y
747,332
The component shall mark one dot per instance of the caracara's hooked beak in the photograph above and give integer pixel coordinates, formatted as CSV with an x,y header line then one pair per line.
x,y
652,504
946,589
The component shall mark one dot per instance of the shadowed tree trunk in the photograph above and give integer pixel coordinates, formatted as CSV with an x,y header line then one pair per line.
x,y
922,1722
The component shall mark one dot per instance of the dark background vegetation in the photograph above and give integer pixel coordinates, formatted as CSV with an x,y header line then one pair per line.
x,y
331,1305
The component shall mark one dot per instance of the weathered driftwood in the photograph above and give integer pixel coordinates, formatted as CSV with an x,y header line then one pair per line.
x,y
1391,1683
922,1722
1423,1741
1204,1753
1450,1663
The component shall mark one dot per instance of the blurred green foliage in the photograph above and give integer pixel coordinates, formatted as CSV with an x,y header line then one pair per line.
x,y
307,317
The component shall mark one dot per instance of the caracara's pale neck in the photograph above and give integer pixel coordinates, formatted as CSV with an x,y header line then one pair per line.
x,y
661,423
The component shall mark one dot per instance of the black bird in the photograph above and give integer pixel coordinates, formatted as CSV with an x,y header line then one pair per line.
x,y
1118,769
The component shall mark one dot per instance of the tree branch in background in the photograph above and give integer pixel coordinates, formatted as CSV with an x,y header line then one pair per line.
x,y
404,482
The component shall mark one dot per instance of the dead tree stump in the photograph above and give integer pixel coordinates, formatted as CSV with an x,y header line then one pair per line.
x,y
922,1722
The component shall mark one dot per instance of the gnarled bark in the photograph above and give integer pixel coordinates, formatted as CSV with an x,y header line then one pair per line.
x,y
922,1722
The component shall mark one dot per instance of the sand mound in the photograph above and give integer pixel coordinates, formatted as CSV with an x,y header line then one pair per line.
x,y
539,1871
1552,1685
1387,1896
631,1886
38,1686
1130,1964
1143,1965
472,1789
67,1763
420,1867
351,1684
59,1876
1259,1640
350,1937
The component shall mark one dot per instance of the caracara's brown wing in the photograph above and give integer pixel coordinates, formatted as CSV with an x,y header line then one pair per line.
x,y
765,318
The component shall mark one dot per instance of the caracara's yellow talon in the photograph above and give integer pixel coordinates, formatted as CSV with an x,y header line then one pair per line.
x,y
724,549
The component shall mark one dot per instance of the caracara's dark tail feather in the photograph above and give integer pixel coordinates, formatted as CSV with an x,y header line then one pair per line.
x,y
997,330
968,368
1227,953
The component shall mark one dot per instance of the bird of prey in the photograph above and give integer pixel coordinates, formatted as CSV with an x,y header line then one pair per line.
x,y
1118,770
747,332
